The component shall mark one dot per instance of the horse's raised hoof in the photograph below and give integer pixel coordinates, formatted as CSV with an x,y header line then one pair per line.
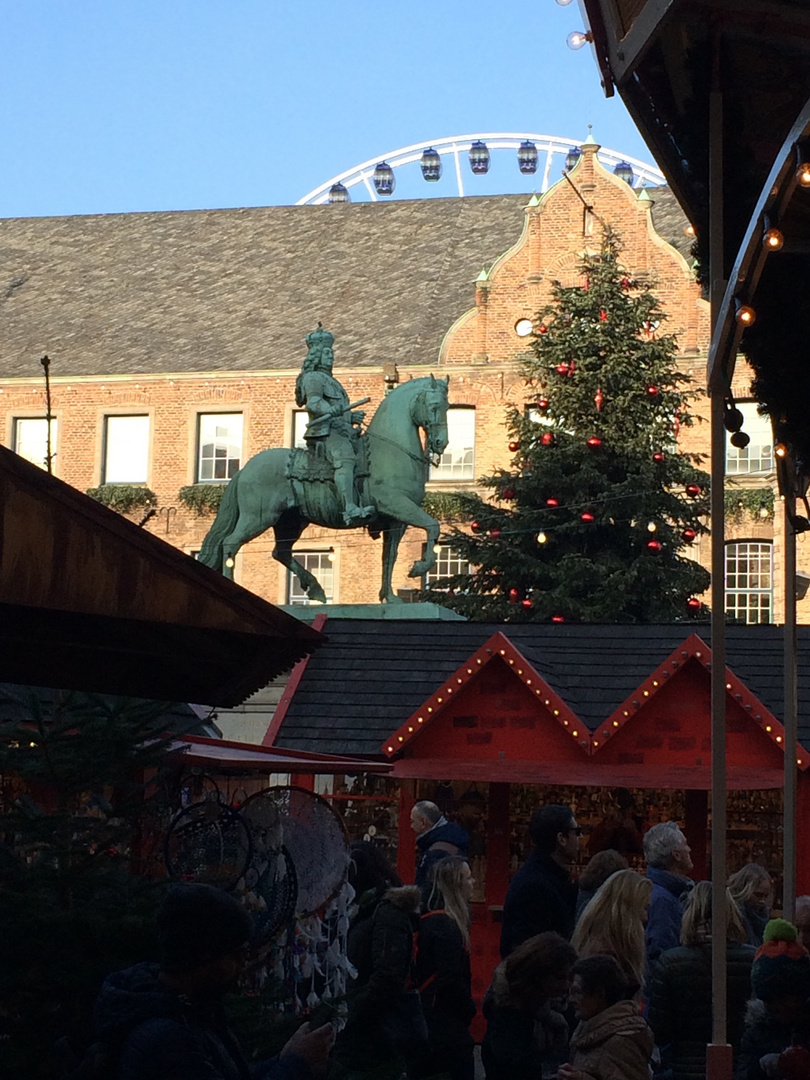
x,y
419,569
316,593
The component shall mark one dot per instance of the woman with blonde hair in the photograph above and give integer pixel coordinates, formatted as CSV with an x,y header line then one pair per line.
x,y
613,924
443,971
751,889
681,990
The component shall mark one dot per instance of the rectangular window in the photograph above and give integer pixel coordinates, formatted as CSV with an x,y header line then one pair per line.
x,y
126,450
448,562
299,426
320,565
749,581
757,457
31,439
458,460
220,445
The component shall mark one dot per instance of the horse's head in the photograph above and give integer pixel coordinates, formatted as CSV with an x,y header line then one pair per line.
x,y
432,416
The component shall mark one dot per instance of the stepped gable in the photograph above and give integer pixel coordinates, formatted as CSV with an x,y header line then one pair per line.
x,y
371,676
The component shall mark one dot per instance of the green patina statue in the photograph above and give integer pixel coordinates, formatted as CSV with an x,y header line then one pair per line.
x,y
344,479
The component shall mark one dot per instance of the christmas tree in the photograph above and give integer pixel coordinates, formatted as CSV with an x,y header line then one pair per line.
x,y
593,520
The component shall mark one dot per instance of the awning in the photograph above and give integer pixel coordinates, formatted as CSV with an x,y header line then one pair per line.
x,y
222,753
89,601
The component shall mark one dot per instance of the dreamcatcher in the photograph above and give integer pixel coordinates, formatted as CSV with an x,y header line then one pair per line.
x,y
269,887
208,842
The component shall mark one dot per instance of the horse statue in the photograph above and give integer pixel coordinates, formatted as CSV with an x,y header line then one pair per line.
x,y
286,490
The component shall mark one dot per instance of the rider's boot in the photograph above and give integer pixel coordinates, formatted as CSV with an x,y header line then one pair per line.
x,y
344,482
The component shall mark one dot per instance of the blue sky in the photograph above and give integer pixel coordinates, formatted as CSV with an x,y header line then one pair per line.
x,y
129,105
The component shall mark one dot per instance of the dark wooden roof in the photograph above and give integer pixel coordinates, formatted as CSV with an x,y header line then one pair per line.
x,y
89,601
372,675
235,290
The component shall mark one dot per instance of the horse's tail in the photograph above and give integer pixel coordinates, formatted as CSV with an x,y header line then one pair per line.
x,y
227,515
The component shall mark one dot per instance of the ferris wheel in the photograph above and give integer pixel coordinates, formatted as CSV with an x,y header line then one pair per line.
x,y
374,179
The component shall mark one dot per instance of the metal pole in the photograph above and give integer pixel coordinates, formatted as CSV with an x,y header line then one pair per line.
x,y
719,1054
46,364
791,702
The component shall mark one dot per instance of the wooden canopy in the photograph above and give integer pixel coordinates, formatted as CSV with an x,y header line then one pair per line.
x,y
89,601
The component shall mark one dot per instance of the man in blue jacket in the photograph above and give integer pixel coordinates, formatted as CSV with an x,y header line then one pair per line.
x,y
669,863
541,895
436,838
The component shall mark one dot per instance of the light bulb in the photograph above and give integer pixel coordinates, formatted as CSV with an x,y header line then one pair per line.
x,y
746,316
652,527
578,38
437,548
229,563
780,450
689,230
773,240
803,174
541,538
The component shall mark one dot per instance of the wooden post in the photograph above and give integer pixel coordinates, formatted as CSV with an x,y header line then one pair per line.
x,y
406,841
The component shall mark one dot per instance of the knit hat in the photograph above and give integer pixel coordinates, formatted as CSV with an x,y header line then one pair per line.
x,y
197,923
781,965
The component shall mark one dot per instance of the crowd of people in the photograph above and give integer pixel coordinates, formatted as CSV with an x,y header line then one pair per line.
x,y
607,979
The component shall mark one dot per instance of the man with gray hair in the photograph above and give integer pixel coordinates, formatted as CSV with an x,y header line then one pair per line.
x,y
669,864
436,838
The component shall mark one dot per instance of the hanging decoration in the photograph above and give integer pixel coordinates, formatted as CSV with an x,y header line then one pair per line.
x,y
693,490
599,400
542,404
552,503
558,618
495,534
514,446
526,602
603,315
508,493
587,517
594,442
542,329
547,438
654,546
475,526
688,536
652,391
514,596
658,457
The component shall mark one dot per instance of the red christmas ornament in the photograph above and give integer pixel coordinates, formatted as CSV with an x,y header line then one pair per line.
x,y
587,517
542,404
658,457
625,283
526,602
654,546
541,329
547,438
694,603
603,315
475,526
552,503
599,400
688,536
508,493
693,490
562,369
652,391
514,446
495,534
594,442
558,618
514,596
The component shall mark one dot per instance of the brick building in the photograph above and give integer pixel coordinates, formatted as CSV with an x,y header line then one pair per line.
x,y
175,339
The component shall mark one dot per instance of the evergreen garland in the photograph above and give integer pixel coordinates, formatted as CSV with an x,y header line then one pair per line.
x,y
592,521
202,498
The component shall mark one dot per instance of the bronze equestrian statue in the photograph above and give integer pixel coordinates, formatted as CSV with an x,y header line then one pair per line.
x,y
344,479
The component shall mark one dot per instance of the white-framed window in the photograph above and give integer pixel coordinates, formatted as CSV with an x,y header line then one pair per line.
x,y
749,581
126,450
757,457
458,460
321,566
448,562
219,441
30,435
300,419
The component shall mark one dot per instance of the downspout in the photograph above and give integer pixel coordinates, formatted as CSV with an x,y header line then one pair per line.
x,y
791,698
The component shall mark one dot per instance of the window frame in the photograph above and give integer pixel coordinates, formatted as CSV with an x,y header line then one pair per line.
x,y
291,582
201,414
742,454
452,556
749,592
17,419
105,443
468,475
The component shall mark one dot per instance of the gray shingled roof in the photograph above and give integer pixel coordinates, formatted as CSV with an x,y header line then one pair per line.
x,y
372,675
231,290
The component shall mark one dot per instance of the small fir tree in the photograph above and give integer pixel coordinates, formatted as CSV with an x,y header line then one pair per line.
x,y
592,521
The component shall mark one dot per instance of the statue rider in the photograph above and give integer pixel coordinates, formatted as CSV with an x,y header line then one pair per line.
x,y
331,423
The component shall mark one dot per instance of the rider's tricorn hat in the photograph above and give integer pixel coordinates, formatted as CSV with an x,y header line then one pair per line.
x,y
319,337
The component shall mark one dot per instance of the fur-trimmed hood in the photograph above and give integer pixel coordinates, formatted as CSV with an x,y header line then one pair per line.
x,y
407,898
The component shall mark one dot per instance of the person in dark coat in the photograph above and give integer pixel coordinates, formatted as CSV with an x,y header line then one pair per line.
x,y
778,1017
443,971
541,896
669,863
385,1029
436,838
680,1005
752,889
167,1020
526,1036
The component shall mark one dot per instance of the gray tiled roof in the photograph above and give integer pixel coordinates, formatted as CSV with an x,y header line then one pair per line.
x,y
231,290
371,675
